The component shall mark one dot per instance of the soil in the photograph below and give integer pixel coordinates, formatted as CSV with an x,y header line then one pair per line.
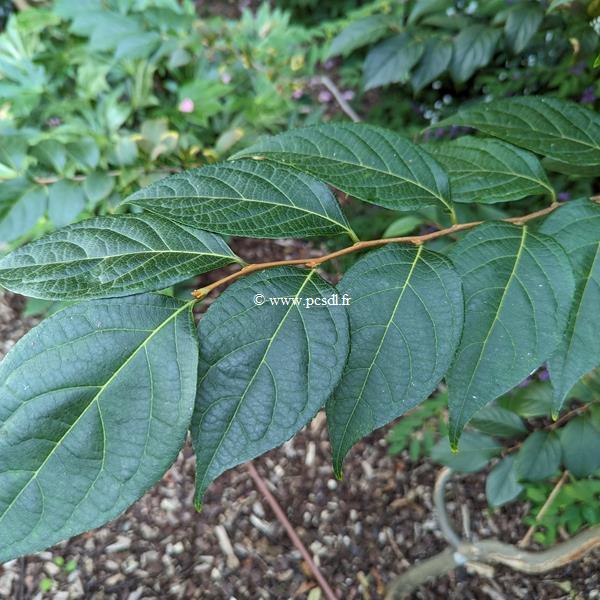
x,y
361,531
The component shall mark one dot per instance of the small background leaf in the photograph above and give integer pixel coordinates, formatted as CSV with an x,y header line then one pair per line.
x,y
501,485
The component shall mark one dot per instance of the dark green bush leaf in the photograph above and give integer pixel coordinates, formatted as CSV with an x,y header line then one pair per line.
x,y
473,48
405,322
488,171
391,60
562,130
372,164
501,485
498,421
265,370
534,400
101,420
359,33
98,186
422,8
475,451
112,256
249,198
22,205
577,228
434,61
539,456
66,199
521,25
580,442
518,287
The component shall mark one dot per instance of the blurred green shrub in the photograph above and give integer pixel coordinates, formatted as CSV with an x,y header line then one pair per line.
x,y
95,95
448,51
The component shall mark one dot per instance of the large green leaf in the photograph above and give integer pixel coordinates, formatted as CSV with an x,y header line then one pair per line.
x,y
576,227
266,367
22,205
521,25
359,33
391,60
488,171
434,61
559,129
406,316
473,48
94,406
372,164
518,287
248,198
112,256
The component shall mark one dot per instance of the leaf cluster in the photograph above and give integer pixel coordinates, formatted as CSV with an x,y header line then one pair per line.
x,y
98,95
95,402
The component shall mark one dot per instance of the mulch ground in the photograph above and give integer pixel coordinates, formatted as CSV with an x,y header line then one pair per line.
x,y
361,531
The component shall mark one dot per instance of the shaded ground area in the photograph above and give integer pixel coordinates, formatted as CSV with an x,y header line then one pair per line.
x,y
362,531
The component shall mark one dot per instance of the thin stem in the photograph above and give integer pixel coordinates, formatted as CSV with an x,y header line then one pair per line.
x,y
358,246
289,529
527,537
328,83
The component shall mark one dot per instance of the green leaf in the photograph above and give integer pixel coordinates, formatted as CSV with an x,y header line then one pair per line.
x,y
559,129
98,186
539,456
475,452
473,48
51,153
95,403
521,25
265,368
22,205
372,164
576,227
66,200
138,45
580,442
434,61
85,153
535,400
359,33
403,226
249,198
498,421
422,8
391,60
488,171
518,287
501,485
405,321
112,256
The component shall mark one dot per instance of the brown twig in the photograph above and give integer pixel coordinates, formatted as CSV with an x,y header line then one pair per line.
x,y
282,518
412,239
346,108
527,537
